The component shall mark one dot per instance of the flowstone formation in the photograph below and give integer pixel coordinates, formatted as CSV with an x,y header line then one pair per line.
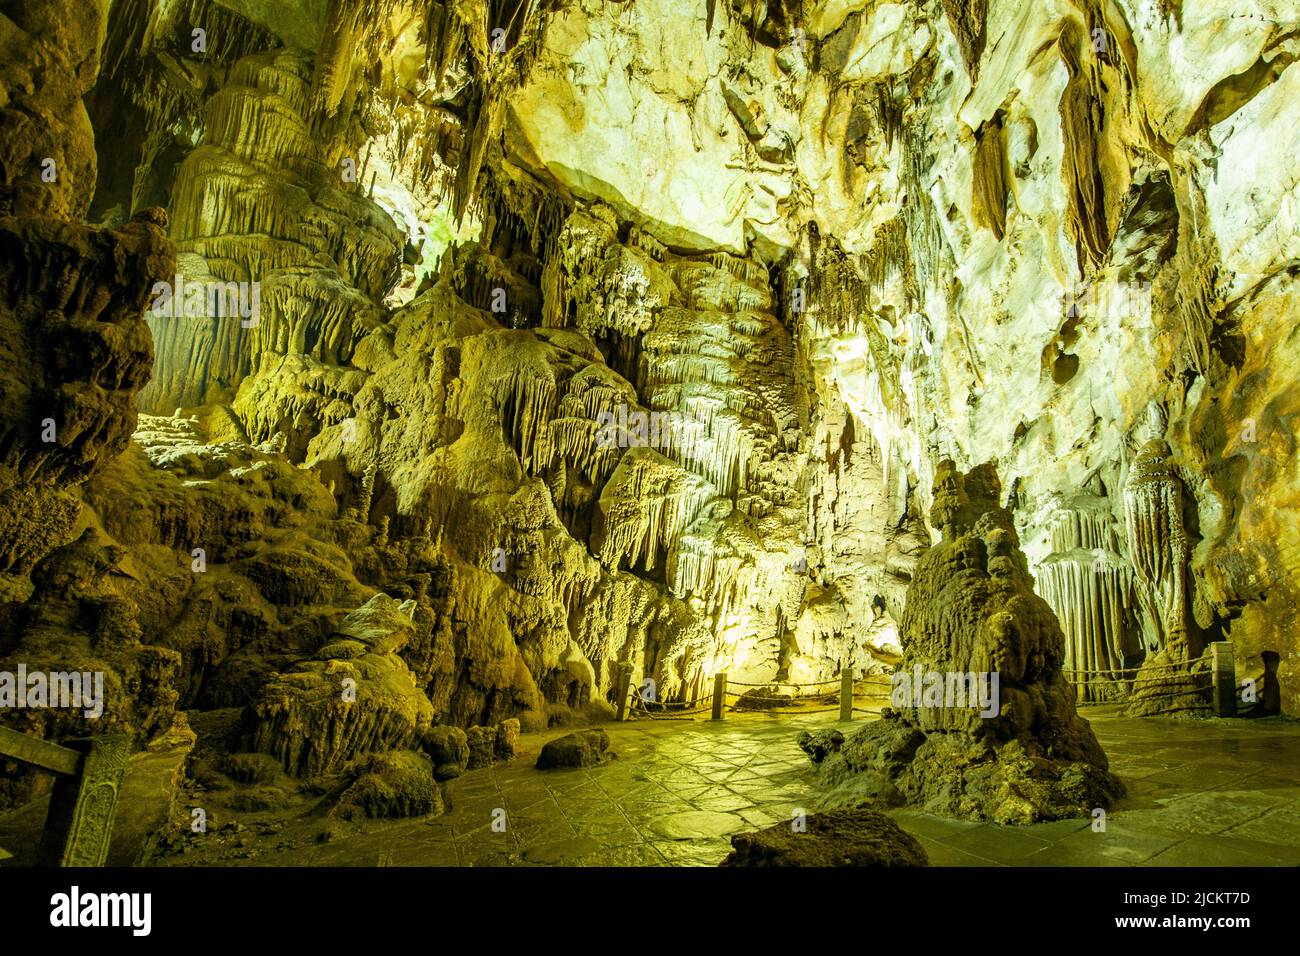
x,y
972,615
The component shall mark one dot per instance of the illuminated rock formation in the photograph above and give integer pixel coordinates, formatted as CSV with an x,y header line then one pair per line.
x,y
987,728
618,339
1090,587
355,697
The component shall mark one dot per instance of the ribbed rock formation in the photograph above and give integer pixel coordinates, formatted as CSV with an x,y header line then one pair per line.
x,y
258,203
1090,587
355,697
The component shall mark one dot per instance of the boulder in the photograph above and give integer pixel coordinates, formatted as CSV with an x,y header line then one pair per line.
x,y
585,748
448,748
482,746
392,785
848,837
507,738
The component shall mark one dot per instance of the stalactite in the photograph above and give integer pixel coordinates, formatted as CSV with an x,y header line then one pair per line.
x,y
648,503
968,20
746,270
249,207
991,178
1088,210
928,253
528,404
1090,587
639,239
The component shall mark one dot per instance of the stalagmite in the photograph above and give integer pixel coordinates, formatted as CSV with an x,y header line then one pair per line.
x,y
971,612
1158,544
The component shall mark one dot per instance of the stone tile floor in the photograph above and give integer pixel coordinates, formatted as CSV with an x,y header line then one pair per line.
x,y
1202,793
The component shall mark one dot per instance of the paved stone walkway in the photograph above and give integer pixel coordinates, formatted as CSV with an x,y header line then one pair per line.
x,y
1205,793
674,795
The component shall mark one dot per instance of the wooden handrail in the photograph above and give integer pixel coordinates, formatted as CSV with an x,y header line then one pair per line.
x,y
40,753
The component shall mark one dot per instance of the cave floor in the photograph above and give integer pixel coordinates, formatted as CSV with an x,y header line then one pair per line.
x,y
1201,793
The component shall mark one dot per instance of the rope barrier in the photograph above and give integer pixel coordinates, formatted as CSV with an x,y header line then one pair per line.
x,y
1152,697
1094,683
1185,668
704,701
735,702
639,705
795,704
1179,693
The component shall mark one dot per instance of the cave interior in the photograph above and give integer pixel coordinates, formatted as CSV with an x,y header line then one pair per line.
x,y
649,432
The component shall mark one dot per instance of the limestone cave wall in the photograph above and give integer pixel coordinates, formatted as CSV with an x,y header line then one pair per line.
x,y
553,336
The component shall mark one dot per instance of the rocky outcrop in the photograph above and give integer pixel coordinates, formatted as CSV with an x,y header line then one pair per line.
x,y
76,658
983,722
448,748
850,837
47,146
74,352
356,696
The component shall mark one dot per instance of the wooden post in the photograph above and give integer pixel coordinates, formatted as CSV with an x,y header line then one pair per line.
x,y
1225,679
719,694
846,692
623,681
79,822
